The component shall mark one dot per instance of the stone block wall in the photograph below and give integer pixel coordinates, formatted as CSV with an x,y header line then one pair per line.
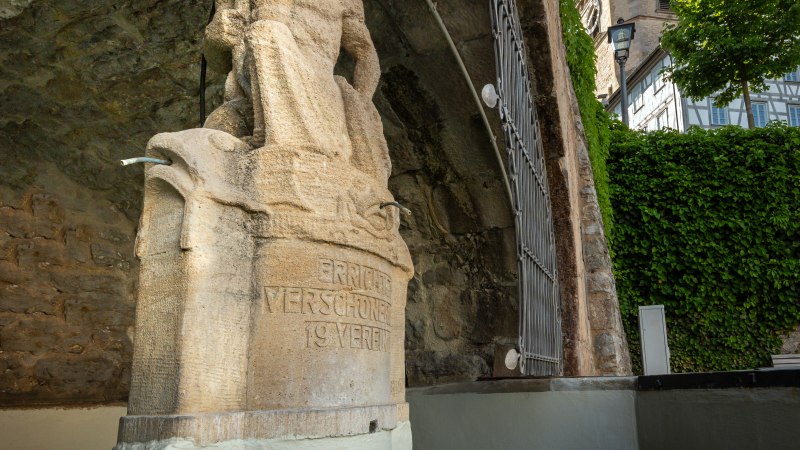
x,y
82,85
607,68
66,295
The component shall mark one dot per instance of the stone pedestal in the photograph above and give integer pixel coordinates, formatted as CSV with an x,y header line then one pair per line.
x,y
273,278
271,309
324,328
368,428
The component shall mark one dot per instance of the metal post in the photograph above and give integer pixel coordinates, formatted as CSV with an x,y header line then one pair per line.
x,y
624,87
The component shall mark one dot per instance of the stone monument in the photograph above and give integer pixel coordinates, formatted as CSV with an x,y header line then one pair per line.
x,y
273,277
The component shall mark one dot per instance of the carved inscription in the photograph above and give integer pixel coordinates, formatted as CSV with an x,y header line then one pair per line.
x,y
325,302
354,312
346,335
356,276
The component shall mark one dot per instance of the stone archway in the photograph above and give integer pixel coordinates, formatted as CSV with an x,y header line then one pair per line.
x,y
84,85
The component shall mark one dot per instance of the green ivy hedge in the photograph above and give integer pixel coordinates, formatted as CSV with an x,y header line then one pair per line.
x,y
707,224
596,122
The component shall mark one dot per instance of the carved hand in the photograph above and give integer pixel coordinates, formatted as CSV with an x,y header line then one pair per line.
x,y
227,28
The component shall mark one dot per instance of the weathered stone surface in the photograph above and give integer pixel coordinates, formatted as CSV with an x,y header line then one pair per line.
x,y
16,375
398,438
99,70
433,367
40,335
791,343
273,275
368,429
58,308
11,8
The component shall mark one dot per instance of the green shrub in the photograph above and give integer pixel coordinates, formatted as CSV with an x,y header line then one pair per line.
x,y
706,223
581,61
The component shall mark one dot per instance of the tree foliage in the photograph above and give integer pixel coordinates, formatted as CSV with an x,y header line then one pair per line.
x,y
731,46
708,225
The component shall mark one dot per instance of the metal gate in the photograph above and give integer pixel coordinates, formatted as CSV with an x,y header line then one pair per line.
x,y
540,339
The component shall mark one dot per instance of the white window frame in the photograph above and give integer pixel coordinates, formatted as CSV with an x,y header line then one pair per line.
x,y
637,95
658,78
766,114
661,82
793,76
662,119
796,121
724,109
647,81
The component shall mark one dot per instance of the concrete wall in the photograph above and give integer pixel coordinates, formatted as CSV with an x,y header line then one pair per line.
x,y
558,414
609,413
62,429
561,414
731,419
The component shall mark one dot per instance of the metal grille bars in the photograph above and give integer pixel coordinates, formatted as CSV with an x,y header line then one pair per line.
x,y
540,339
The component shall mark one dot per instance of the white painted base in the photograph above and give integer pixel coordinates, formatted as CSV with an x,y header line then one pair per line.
x,y
397,439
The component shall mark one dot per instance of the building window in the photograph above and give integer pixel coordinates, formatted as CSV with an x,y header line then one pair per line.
x,y
793,76
638,100
760,114
719,116
590,11
658,78
662,121
648,80
663,5
794,115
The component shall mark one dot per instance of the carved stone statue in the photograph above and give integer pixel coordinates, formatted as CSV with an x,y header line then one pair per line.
x,y
282,55
282,94
273,282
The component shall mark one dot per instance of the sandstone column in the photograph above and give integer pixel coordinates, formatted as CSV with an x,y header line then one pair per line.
x,y
273,278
